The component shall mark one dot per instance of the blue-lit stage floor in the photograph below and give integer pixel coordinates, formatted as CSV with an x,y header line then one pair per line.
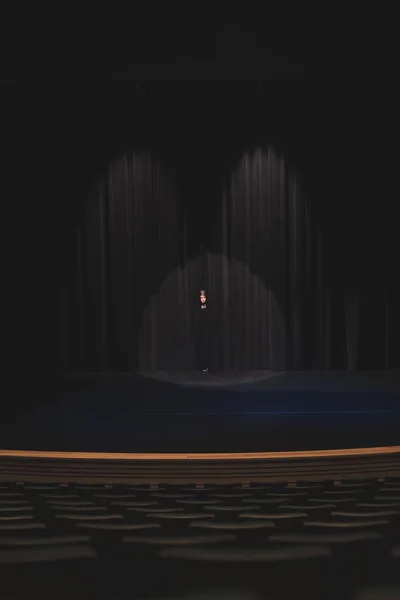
x,y
206,412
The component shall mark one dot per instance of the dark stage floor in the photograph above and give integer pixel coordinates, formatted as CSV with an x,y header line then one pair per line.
x,y
204,412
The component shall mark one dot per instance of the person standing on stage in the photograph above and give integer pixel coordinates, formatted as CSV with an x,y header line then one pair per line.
x,y
202,345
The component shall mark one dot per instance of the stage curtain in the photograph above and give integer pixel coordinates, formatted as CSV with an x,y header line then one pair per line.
x,y
157,226
287,289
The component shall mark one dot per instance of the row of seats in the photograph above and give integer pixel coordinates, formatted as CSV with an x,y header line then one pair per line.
x,y
265,540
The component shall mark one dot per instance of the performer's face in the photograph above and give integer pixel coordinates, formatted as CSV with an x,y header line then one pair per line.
x,y
203,297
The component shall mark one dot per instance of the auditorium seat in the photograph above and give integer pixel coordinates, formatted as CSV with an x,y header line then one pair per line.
x,y
311,540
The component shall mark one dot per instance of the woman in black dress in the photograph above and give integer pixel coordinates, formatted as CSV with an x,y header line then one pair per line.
x,y
202,358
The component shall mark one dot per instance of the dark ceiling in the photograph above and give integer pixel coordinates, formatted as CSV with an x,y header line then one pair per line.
x,y
169,44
